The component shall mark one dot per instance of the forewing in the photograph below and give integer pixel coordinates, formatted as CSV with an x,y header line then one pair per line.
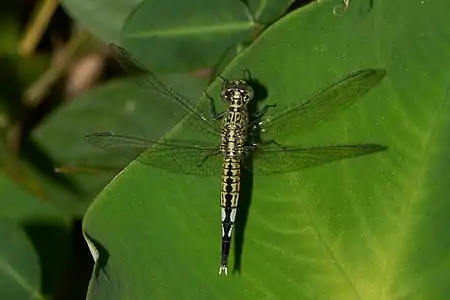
x,y
175,156
275,160
120,145
146,79
322,106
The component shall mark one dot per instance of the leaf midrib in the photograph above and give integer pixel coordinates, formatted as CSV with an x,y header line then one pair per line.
x,y
194,30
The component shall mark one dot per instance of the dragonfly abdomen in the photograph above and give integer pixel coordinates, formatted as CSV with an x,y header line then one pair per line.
x,y
229,196
232,147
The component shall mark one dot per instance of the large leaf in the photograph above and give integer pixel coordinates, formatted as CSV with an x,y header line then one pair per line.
x,y
185,35
104,18
373,227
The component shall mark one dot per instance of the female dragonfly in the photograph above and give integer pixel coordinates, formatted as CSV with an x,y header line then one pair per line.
x,y
237,138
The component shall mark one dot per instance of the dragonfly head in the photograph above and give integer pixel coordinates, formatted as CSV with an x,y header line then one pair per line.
x,y
237,91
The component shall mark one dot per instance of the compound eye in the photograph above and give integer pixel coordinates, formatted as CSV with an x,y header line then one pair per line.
x,y
229,85
250,93
242,87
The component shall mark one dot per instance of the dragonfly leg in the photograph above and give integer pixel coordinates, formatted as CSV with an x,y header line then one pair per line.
x,y
208,156
263,111
224,80
212,109
275,143
246,75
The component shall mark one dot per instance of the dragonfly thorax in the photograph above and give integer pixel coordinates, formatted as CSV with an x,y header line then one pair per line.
x,y
236,93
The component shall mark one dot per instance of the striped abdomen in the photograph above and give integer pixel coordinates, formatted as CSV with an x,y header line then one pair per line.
x,y
229,197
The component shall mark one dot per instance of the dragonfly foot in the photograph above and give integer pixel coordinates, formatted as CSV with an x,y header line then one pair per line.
x,y
223,268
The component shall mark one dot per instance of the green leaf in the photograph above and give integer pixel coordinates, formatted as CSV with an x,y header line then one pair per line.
x,y
20,276
186,35
373,227
104,18
21,206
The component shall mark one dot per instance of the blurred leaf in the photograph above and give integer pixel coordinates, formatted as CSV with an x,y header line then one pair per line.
x,y
104,18
19,266
17,73
186,35
21,206
10,35
45,226
374,227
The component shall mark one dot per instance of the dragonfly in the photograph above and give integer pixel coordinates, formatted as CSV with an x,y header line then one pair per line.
x,y
235,136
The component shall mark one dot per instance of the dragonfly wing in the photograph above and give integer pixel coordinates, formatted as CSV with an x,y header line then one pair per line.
x,y
195,160
146,79
172,155
273,160
322,106
120,145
